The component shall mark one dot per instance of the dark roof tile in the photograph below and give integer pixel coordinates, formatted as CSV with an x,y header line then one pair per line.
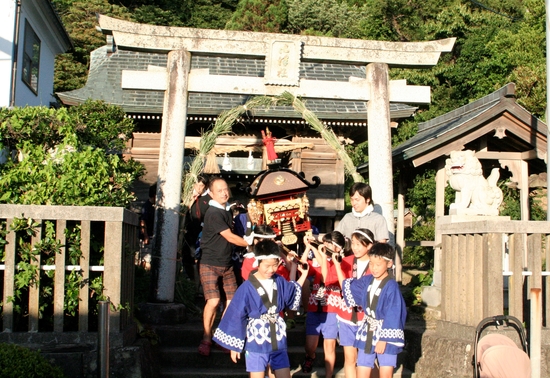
x,y
104,83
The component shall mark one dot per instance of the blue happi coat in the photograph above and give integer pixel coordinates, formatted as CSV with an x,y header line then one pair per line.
x,y
246,324
386,321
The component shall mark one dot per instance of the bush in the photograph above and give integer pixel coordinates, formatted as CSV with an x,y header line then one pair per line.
x,y
66,157
17,361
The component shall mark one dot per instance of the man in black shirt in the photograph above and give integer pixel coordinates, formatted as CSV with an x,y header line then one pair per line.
x,y
217,246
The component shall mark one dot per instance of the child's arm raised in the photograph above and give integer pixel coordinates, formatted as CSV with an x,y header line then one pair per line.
x,y
322,258
303,268
339,271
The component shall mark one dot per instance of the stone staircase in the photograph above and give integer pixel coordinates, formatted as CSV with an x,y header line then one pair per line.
x,y
177,355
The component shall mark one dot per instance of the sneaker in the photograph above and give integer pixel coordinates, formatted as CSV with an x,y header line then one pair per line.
x,y
307,366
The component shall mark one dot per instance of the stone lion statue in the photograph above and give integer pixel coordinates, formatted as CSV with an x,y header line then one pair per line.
x,y
475,195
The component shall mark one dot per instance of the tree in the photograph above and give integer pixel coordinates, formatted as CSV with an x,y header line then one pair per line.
x,y
80,20
207,14
259,16
66,157
496,44
212,14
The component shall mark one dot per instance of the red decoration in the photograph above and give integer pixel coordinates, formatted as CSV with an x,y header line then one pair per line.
x,y
269,143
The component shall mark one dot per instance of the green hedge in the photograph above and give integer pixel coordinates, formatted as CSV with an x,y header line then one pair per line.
x,y
19,362
70,157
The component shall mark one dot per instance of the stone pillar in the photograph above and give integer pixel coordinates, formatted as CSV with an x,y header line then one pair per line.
x,y
170,170
431,295
440,184
400,232
524,190
379,135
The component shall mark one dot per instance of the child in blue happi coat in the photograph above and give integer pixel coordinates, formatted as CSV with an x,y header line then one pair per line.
x,y
381,334
252,321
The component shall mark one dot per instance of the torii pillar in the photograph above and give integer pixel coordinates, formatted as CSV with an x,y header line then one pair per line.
x,y
170,170
379,136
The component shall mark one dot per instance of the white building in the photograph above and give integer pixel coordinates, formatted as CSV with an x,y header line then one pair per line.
x,y
31,35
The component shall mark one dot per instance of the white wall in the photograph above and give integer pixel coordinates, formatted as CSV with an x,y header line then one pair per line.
x,y
23,94
7,22
39,16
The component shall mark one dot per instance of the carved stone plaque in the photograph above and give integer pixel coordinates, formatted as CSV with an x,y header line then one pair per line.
x,y
282,63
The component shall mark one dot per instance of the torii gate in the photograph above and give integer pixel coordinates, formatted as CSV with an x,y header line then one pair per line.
x,y
283,54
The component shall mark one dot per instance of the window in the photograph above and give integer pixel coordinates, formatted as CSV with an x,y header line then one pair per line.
x,y
31,58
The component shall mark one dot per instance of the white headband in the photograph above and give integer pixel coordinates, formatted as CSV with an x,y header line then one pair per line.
x,y
364,234
384,257
272,256
250,238
258,258
336,245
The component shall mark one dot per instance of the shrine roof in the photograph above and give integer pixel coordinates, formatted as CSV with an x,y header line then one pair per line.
x,y
275,182
104,83
510,126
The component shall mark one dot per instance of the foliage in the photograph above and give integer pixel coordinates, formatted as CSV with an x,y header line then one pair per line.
x,y
73,280
17,361
511,204
420,257
418,281
3,242
185,292
80,20
329,18
65,157
259,16
495,45
27,263
359,153
142,282
420,199
61,157
207,14
102,125
153,15
421,195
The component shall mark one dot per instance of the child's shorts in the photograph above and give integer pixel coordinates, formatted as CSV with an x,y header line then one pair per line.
x,y
322,323
346,333
384,359
256,362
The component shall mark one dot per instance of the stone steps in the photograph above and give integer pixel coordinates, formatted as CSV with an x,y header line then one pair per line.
x,y
239,372
177,355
